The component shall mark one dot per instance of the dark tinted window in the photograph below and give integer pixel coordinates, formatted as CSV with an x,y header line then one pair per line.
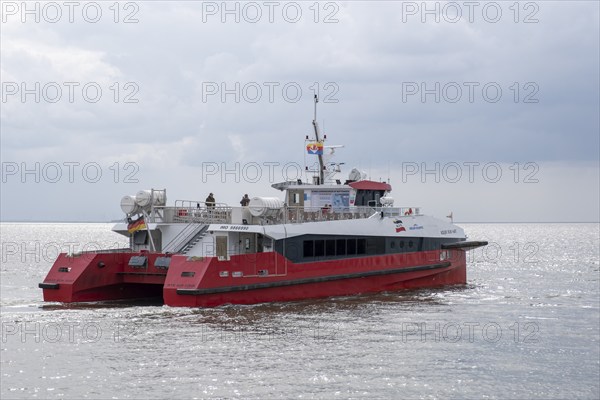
x,y
308,248
319,248
351,247
140,237
361,246
330,247
340,249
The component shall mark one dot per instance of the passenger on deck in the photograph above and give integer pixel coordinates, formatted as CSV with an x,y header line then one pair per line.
x,y
245,200
210,201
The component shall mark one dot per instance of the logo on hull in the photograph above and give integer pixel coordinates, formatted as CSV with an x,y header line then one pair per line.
x,y
399,227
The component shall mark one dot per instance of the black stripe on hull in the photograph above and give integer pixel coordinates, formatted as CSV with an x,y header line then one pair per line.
x,y
267,285
464,245
48,285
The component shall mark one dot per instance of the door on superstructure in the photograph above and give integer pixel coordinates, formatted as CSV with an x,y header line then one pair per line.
x,y
295,201
221,242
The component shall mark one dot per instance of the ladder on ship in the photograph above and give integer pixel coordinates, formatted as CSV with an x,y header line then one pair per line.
x,y
186,239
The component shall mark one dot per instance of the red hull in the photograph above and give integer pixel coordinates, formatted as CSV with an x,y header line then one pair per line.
x,y
100,277
243,279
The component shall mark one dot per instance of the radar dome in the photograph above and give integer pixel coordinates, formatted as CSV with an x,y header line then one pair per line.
x,y
356,175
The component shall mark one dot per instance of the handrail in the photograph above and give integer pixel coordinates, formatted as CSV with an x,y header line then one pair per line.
x,y
198,204
183,237
193,212
299,214
97,251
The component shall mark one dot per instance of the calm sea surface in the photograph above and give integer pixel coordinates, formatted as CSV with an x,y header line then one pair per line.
x,y
525,327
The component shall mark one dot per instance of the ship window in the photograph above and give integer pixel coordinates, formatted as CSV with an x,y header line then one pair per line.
x,y
340,248
361,246
401,243
372,246
330,247
392,244
140,237
380,245
138,261
319,248
309,248
162,262
410,243
351,247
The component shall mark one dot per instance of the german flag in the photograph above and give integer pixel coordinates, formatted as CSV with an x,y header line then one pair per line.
x,y
136,225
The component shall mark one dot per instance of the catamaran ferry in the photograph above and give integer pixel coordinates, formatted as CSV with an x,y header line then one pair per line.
x,y
324,238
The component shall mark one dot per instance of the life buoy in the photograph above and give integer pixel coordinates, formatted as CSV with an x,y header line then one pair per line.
x,y
409,212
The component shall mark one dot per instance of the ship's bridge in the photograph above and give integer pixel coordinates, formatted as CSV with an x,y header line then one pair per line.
x,y
338,196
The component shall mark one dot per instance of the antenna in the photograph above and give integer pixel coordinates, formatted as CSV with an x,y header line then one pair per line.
x,y
388,179
318,139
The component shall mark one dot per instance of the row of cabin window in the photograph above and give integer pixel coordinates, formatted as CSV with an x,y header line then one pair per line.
x,y
345,247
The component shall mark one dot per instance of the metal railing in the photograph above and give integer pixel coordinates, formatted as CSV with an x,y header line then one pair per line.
x,y
183,238
188,211
191,211
314,214
98,251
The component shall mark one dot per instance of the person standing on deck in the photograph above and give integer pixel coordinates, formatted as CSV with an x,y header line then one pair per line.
x,y
210,201
245,200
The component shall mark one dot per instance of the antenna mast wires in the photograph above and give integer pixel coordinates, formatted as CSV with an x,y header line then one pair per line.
x,y
318,140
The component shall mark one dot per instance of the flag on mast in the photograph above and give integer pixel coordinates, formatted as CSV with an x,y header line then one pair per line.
x,y
136,225
315,148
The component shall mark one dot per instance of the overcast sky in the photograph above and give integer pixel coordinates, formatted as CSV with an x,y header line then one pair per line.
x,y
485,109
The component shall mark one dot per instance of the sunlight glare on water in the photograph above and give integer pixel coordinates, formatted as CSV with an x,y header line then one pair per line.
x,y
525,326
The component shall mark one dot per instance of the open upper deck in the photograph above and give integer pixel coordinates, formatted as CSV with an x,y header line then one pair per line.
x,y
186,211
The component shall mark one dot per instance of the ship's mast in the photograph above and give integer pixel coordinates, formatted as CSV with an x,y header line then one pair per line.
x,y
318,139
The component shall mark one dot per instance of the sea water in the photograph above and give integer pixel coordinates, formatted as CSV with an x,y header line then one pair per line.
x,y
526,326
